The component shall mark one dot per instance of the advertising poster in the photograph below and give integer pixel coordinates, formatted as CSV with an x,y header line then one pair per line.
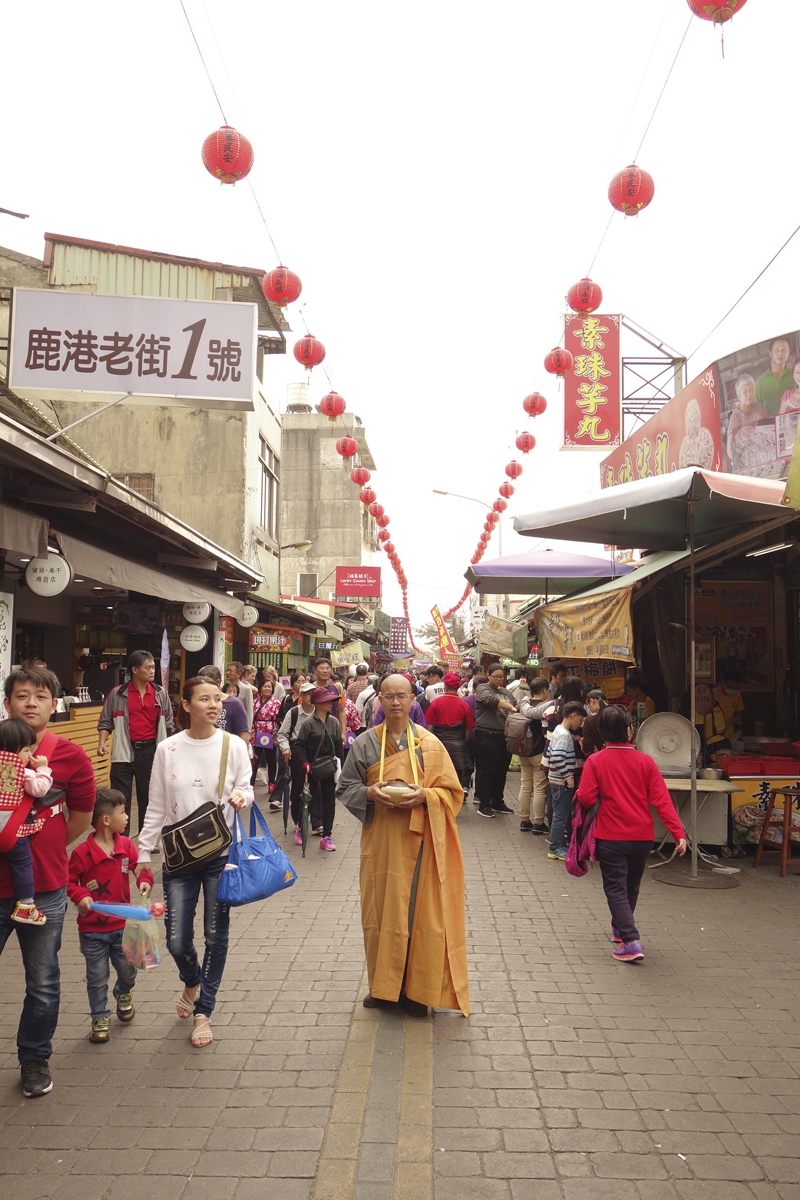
x,y
592,627
398,635
593,388
749,809
447,647
358,581
737,618
278,641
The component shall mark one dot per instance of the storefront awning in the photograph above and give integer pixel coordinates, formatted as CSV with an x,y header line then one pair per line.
x,y
122,573
23,533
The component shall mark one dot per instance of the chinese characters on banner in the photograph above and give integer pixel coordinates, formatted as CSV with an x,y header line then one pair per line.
x,y
684,433
358,581
447,648
592,627
278,641
226,629
398,635
736,616
6,636
593,388
63,343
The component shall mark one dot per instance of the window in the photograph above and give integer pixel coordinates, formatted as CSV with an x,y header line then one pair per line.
x,y
143,483
270,468
307,584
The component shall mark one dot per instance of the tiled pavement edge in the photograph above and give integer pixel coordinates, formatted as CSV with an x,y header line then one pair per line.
x,y
575,1078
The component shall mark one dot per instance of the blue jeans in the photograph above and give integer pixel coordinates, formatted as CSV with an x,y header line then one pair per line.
x,y
562,807
40,946
99,948
181,897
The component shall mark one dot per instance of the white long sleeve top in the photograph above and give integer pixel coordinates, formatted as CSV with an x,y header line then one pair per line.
x,y
186,775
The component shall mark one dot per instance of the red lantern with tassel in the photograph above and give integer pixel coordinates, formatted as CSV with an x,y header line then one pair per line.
x,y
383,535
493,517
631,190
507,490
347,447
584,296
514,469
717,12
366,496
389,547
281,286
360,475
535,404
383,521
376,510
500,506
558,362
332,405
309,351
525,442
227,154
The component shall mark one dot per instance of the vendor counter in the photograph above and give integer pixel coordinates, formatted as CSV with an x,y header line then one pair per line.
x,y
79,725
712,808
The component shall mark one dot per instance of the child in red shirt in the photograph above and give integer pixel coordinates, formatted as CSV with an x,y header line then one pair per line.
x,y
18,762
99,869
625,782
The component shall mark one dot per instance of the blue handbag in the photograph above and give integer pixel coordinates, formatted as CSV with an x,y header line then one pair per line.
x,y
256,868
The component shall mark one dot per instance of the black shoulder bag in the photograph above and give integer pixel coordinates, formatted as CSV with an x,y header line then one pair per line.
x,y
192,843
323,768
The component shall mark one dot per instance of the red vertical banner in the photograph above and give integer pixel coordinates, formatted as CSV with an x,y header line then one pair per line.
x,y
593,388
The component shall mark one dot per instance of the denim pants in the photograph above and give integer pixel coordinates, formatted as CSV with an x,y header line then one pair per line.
x,y
100,948
181,897
40,946
562,807
20,864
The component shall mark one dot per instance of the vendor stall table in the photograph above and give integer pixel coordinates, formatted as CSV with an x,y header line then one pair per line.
x,y
713,807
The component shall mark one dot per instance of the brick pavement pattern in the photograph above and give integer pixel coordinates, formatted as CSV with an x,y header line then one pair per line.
x,y
575,1077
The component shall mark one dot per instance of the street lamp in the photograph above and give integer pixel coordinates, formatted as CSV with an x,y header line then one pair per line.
x,y
301,546
475,500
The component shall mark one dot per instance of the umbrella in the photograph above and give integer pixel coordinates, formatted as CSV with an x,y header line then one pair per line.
x,y
287,795
667,512
304,806
559,572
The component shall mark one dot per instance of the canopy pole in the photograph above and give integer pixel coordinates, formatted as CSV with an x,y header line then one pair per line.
x,y
692,706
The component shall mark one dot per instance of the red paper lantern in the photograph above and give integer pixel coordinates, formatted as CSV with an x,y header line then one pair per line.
x,y
493,517
383,521
281,286
488,527
584,296
525,442
310,352
484,539
558,362
719,13
535,404
631,190
332,405
389,547
384,535
347,447
366,496
474,559
360,475
507,490
376,510
227,154
514,469
500,506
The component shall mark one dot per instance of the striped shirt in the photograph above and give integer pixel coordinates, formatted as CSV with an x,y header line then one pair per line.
x,y
561,755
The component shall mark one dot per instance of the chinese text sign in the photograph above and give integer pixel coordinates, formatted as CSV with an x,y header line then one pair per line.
x,y
593,388
358,581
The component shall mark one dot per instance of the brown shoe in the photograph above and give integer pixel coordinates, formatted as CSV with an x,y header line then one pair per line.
x,y
414,1008
370,1001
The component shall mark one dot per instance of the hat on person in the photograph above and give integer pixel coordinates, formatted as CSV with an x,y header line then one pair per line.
x,y
309,687
451,680
321,696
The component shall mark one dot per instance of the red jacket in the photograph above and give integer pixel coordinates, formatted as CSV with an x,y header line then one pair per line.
x,y
103,877
627,782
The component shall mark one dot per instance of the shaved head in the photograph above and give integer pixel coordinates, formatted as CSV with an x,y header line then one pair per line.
x,y
395,683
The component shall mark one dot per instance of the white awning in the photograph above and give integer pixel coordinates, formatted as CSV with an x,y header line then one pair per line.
x,y
131,576
23,533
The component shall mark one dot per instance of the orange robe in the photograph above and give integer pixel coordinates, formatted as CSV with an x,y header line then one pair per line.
x,y
434,958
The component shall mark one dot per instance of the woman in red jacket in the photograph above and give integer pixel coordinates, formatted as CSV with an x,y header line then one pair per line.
x,y
625,782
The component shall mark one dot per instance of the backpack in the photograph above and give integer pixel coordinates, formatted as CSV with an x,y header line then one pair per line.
x,y
523,736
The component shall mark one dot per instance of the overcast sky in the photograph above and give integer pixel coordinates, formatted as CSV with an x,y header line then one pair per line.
x,y
436,172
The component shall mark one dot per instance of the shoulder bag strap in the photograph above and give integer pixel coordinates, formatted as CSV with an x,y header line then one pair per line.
x,y
223,764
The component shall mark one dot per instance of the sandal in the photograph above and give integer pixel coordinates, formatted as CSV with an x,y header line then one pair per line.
x,y
201,1034
185,1005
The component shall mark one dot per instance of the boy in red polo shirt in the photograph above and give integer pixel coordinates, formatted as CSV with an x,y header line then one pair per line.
x,y
99,869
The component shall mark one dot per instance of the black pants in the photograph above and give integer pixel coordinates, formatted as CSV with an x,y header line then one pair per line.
x,y
492,760
265,758
324,801
123,775
622,866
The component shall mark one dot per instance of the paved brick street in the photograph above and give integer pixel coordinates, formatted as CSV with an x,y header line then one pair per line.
x,y
575,1078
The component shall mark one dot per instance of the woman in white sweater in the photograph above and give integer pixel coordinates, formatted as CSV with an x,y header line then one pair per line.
x,y
186,773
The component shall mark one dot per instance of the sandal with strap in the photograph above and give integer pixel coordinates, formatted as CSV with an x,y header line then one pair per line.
x,y
201,1034
185,1005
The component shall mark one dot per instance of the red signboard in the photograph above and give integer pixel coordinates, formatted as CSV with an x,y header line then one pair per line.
x,y
593,388
358,581
267,638
685,433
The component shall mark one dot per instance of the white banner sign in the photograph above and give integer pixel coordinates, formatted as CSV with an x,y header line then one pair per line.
x,y
64,343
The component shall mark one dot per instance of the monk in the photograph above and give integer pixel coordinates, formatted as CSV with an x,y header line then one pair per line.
x,y
412,872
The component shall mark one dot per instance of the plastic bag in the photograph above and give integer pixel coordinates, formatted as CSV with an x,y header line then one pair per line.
x,y
140,938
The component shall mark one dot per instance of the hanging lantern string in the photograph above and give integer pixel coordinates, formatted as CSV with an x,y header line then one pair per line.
x,y
203,61
264,221
744,293
615,156
664,88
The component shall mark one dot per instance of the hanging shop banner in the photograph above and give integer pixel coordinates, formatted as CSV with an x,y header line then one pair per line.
x,y
734,620
502,638
592,627
6,639
276,640
67,343
398,635
447,647
358,581
593,388
351,652
48,576
605,674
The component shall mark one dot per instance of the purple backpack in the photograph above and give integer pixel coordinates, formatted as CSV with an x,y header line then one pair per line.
x,y
581,846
